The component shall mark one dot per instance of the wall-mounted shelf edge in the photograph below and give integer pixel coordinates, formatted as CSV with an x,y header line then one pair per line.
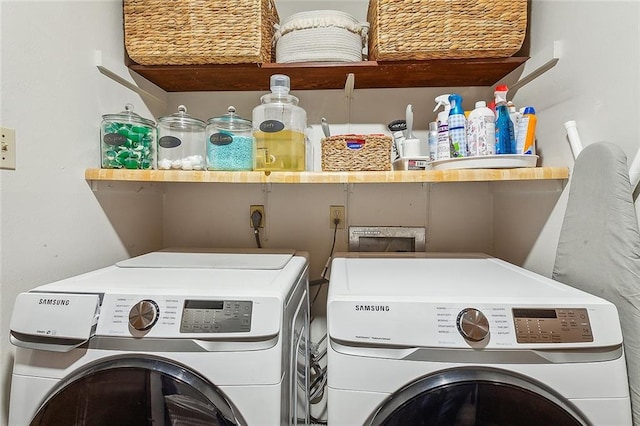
x,y
322,75
413,176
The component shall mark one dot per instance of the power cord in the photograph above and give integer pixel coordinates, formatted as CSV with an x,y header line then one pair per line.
x,y
256,218
323,280
318,373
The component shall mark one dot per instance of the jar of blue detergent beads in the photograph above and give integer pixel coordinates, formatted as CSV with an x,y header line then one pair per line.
x,y
229,142
127,141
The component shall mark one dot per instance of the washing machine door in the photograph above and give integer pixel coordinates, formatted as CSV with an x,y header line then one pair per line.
x,y
136,391
477,397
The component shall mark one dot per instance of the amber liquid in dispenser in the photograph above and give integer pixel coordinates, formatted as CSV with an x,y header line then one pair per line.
x,y
279,126
283,150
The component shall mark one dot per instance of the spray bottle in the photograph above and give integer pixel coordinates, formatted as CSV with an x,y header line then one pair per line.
x,y
457,127
505,141
443,150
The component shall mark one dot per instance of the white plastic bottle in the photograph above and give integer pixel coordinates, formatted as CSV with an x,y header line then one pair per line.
x,y
443,151
515,116
481,130
433,141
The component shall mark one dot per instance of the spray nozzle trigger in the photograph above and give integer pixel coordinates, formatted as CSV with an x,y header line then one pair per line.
x,y
442,100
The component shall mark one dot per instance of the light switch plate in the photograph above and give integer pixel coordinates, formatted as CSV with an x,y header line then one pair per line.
x,y
7,148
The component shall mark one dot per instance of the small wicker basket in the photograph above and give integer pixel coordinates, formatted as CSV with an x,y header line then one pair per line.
x,y
445,29
345,153
198,32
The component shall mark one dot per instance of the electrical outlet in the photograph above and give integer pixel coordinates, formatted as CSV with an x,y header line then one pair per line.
x,y
259,208
336,212
7,149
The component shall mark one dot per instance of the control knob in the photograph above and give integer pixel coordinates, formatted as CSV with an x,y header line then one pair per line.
x,y
472,324
143,315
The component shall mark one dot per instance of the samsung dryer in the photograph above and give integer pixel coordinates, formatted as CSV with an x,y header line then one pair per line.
x,y
167,338
468,340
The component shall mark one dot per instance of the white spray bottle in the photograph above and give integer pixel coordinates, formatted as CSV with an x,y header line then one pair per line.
x,y
443,147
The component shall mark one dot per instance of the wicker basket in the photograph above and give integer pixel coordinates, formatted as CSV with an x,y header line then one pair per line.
x,y
345,153
197,32
445,29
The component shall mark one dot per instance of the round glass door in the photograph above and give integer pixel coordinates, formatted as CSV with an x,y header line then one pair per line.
x,y
477,397
136,391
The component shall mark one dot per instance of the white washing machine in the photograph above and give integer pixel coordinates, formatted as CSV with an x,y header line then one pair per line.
x,y
468,340
167,338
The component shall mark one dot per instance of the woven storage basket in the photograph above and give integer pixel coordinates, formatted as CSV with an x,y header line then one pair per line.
x,y
320,36
445,29
345,153
197,32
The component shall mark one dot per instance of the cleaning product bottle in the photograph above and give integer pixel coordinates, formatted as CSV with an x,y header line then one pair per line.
x,y
505,142
525,141
433,141
481,130
457,127
443,151
279,126
514,115
397,128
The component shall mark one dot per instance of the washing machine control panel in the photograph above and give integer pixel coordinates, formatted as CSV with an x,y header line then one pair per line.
x,y
555,325
216,316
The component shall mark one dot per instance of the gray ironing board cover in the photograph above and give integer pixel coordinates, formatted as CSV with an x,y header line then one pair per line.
x,y
599,246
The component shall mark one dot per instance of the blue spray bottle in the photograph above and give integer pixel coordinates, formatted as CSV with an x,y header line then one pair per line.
x,y
505,135
457,127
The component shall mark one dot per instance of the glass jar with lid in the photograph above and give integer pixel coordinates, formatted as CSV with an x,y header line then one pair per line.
x,y
181,141
229,142
127,141
279,127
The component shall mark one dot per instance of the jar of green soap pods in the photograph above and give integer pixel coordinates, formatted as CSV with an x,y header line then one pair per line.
x,y
127,141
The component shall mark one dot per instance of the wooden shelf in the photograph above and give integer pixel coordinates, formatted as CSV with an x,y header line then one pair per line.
x,y
428,176
321,75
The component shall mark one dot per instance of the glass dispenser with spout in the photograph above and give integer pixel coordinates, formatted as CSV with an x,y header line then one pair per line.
x,y
279,126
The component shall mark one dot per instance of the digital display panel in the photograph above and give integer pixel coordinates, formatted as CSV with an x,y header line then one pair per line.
x,y
216,316
534,313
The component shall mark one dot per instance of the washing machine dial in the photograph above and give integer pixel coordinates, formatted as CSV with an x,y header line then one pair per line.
x,y
472,324
144,314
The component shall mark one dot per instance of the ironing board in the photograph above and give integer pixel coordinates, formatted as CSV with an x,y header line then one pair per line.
x,y
599,247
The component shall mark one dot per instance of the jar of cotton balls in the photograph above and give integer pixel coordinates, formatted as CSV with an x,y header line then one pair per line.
x,y
127,141
181,141
229,142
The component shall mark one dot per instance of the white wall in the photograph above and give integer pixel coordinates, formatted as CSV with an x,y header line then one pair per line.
x,y
596,83
53,225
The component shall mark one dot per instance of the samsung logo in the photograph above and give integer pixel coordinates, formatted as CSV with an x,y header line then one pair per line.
x,y
373,308
54,302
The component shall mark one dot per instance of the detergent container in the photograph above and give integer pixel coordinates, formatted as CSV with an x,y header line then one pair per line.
x,y
229,142
279,126
181,141
127,141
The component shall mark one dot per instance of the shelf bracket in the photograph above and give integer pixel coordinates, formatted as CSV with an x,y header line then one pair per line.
x,y
106,67
348,94
555,57
349,86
